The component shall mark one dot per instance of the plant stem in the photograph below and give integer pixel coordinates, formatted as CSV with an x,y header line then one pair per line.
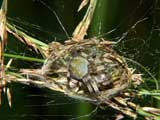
x,y
23,57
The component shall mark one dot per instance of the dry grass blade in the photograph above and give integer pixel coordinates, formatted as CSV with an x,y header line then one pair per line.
x,y
3,35
35,44
81,29
84,3
125,111
35,78
9,97
150,113
152,110
3,31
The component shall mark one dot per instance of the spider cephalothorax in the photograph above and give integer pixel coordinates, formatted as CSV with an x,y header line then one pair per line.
x,y
90,65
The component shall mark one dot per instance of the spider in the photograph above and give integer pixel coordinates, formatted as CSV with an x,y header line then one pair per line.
x,y
89,65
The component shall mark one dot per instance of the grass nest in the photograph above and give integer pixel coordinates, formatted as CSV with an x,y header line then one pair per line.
x,y
90,69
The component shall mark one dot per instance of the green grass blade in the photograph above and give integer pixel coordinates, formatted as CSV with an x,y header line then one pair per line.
x,y
23,57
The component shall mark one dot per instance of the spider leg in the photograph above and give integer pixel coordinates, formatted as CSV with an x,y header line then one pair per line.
x,y
88,85
91,85
94,85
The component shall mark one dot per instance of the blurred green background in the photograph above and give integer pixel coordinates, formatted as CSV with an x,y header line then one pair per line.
x,y
135,22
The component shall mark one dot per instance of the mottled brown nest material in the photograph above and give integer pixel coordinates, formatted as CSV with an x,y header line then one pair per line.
x,y
90,69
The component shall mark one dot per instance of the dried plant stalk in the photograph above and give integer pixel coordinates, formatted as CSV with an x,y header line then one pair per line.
x,y
3,42
81,29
